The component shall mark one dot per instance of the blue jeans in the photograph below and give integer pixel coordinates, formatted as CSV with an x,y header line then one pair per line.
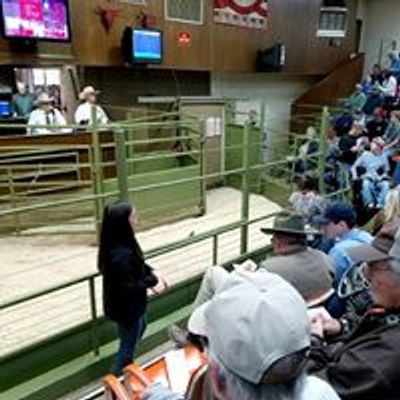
x,y
129,335
374,192
396,174
343,174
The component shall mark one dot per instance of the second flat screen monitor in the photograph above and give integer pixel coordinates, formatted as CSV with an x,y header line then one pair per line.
x,y
36,19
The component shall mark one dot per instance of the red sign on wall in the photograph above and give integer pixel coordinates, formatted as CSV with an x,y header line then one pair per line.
x,y
184,39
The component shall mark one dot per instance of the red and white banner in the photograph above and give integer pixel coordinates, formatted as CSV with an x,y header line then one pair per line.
x,y
245,13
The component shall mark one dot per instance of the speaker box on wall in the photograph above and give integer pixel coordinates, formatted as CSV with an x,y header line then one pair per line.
x,y
272,59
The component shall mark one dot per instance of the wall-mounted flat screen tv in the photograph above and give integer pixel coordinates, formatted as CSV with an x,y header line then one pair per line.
x,y
36,19
5,109
146,46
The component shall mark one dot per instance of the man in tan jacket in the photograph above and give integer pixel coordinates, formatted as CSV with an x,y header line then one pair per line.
x,y
309,271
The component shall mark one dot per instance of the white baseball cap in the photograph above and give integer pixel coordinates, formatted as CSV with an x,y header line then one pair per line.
x,y
254,320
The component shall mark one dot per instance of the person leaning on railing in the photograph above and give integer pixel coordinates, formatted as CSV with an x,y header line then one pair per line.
x,y
126,278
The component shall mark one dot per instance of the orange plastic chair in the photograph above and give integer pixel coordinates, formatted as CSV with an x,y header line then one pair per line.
x,y
114,390
137,379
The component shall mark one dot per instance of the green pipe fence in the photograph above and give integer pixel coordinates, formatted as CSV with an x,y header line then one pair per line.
x,y
123,190
90,278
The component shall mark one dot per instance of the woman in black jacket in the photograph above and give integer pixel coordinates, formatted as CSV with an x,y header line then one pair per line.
x,y
126,278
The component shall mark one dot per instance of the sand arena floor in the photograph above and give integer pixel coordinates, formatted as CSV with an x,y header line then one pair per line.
x,y
33,263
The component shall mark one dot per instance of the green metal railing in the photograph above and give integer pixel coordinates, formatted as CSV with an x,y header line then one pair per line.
x,y
21,193
123,147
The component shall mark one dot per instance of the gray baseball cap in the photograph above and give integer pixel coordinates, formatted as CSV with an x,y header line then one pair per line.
x,y
254,320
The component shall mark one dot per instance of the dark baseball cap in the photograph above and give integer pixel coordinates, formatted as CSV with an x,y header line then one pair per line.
x,y
335,212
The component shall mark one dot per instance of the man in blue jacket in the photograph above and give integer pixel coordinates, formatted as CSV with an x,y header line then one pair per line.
x,y
338,223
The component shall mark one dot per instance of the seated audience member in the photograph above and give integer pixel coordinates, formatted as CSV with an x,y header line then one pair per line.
x,y
358,99
333,153
389,89
344,122
392,134
338,223
360,117
306,201
350,145
373,168
309,147
376,75
46,114
83,114
257,329
390,212
310,271
363,362
23,101
394,66
366,85
377,125
375,100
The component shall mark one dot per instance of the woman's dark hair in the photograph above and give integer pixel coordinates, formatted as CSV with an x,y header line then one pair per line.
x,y
116,231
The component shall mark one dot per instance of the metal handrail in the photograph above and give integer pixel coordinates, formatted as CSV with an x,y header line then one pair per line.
x,y
245,171
150,254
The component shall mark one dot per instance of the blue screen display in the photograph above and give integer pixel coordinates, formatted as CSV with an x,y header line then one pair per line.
x,y
5,108
147,45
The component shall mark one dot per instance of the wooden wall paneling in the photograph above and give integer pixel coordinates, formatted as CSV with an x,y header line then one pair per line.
x,y
218,47
235,48
96,46
214,47
122,86
294,22
198,55
338,84
288,20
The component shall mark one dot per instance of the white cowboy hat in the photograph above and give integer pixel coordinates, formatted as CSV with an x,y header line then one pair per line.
x,y
86,91
43,98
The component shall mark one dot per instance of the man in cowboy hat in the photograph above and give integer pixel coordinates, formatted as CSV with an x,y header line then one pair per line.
x,y
308,270
46,114
83,114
